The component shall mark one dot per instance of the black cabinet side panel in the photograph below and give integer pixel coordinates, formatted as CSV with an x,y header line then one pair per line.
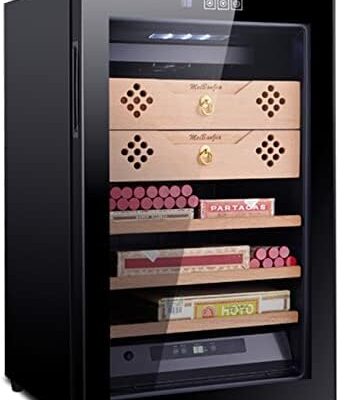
x,y
38,196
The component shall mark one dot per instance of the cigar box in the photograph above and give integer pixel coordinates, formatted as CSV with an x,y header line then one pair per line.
x,y
161,104
149,262
236,208
186,213
197,155
205,304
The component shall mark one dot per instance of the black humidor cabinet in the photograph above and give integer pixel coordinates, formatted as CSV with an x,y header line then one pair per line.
x,y
113,100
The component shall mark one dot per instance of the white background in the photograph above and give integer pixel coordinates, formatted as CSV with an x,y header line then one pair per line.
x,y
344,203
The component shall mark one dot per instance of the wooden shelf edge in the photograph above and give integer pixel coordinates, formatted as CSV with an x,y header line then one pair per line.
x,y
200,278
170,327
164,226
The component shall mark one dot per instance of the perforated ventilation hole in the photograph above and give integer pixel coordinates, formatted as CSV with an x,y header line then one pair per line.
x,y
137,100
273,100
137,152
270,151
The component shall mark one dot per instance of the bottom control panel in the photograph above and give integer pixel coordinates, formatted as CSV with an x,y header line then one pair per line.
x,y
207,353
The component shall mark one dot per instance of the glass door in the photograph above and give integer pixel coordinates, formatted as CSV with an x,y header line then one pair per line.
x,y
208,207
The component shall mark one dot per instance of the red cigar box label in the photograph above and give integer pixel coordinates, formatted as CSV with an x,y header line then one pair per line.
x,y
183,260
236,208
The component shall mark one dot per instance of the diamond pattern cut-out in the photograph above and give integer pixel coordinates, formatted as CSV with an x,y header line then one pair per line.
x,y
270,151
270,101
137,100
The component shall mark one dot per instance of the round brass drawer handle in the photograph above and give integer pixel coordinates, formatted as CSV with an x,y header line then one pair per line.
x,y
205,155
206,106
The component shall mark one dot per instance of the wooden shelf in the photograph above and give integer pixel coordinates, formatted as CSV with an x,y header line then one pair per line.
x,y
163,226
200,278
169,327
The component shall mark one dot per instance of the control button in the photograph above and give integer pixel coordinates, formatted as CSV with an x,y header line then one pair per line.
x,y
129,356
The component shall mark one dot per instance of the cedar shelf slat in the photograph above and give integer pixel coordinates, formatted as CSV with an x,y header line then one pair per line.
x,y
184,225
170,327
200,278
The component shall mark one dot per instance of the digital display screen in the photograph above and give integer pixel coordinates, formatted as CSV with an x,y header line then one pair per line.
x,y
198,349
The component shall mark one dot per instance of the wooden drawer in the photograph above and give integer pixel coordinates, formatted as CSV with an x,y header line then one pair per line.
x,y
184,104
195,155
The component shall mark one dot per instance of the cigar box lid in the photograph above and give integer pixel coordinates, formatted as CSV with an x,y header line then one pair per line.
x,y
205,294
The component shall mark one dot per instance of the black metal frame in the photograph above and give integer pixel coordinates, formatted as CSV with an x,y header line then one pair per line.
x,y
57,341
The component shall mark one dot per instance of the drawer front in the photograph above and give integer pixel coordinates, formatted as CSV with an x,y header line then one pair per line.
x,y
188,155
180,104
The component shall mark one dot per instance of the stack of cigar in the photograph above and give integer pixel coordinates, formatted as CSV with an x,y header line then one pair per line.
x,y
152,198
269,257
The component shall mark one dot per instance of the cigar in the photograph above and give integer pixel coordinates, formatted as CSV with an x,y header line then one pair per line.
x,y
181,202
291,261
158,203
139,192
115,193
146,203
193,201
134,204
267,263
279,262
152,192
255,263
284,252
260,253
127,193
123,204
112,204
164,192
169,203
175,191
273,252
186,190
